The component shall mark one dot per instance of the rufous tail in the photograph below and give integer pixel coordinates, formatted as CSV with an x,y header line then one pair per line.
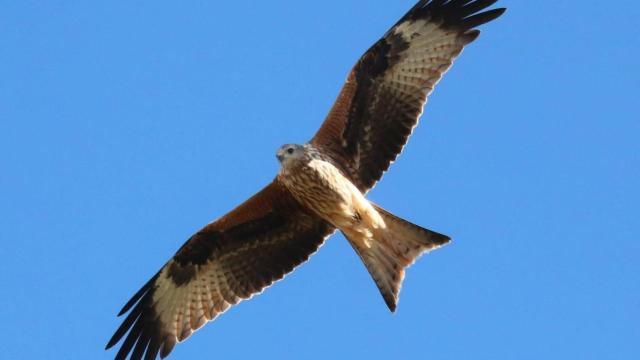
x,y
393,249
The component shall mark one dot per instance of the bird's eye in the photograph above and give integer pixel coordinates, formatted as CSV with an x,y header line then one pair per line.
x,y
290,151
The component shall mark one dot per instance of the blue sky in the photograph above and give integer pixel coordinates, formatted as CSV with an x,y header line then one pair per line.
x,y
125,127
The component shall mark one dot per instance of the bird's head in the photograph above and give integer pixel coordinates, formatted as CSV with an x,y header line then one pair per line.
x,y
289,152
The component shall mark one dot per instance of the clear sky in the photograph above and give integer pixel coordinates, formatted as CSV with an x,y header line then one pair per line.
x,y
126,126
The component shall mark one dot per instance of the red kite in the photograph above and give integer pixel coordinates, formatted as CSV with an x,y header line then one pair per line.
x,y
320,188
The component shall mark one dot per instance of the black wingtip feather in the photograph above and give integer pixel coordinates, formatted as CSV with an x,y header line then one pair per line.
x,y
471,8
461,3
139,300
130,341
153,348
140,327
463,14
141,345
482,18
124,327
134,299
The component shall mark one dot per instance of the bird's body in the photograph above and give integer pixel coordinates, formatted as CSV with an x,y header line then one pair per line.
x,y
385,243
315,180
319,189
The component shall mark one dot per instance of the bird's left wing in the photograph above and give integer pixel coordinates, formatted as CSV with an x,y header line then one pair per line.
x,y
383,97
227,261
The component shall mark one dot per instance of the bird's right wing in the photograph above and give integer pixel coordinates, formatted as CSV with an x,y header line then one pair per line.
x,y
227,261
382,100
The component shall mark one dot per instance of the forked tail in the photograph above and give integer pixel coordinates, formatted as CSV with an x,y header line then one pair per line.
x,y
392,250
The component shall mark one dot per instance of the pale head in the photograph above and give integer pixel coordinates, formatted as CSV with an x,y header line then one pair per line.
x,y
289,152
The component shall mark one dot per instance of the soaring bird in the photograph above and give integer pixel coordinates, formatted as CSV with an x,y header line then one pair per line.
x,y
320,188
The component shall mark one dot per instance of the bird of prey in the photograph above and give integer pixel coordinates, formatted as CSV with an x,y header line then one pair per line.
x,y
320,188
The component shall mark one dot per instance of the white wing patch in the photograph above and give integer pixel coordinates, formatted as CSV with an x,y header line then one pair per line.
x,y
184,309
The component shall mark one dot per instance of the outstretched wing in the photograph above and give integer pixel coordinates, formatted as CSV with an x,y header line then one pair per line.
x,y
385,92
227,261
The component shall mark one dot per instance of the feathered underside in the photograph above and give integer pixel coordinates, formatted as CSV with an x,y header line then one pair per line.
x,y
228,261
386,90
270,234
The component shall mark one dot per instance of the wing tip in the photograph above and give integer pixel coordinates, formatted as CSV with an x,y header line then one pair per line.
x,y
110,344
470,22
138,295
140,329
453,13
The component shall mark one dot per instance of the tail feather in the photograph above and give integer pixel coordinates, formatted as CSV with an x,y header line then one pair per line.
x,y
392,250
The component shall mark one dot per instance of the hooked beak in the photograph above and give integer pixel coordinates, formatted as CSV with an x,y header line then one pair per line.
x,y
280,156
